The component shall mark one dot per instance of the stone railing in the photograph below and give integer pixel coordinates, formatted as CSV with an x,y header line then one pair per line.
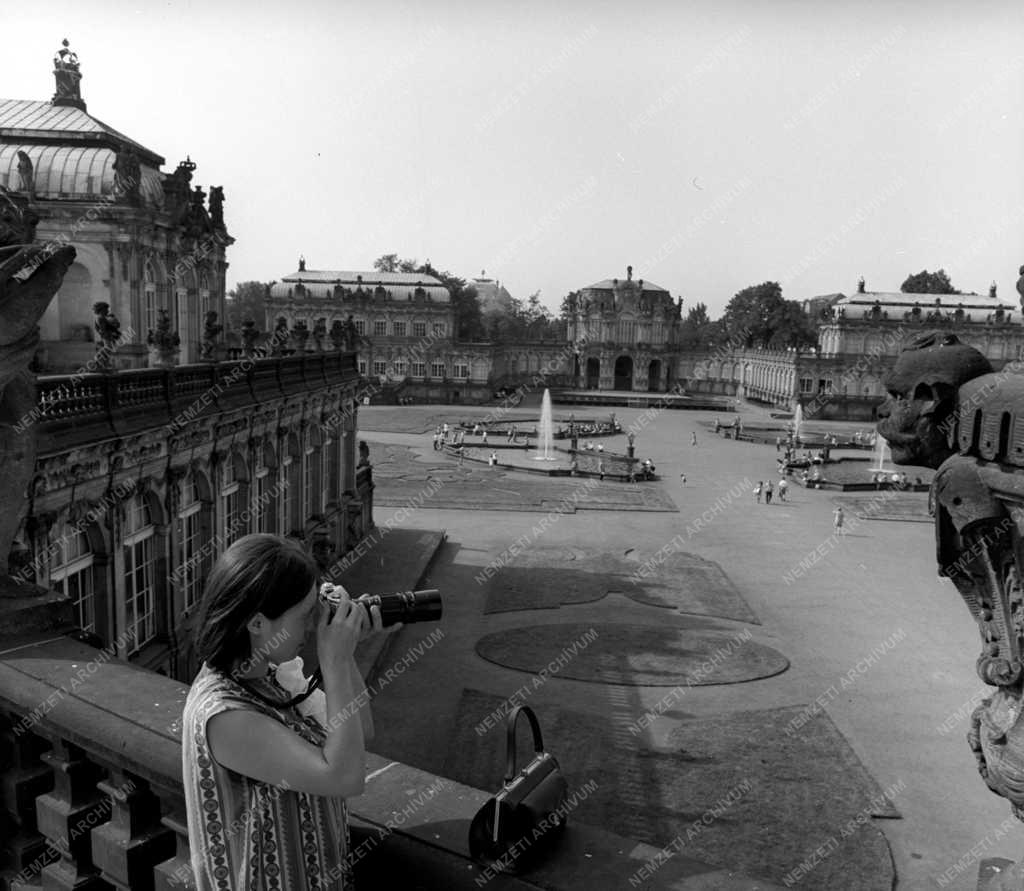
x,y
92,796
85,407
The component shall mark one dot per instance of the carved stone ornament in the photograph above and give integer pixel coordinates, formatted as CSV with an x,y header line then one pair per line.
x,y
950,411
30,275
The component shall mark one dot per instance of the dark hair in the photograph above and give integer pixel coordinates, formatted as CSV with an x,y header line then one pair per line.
x,y
257,574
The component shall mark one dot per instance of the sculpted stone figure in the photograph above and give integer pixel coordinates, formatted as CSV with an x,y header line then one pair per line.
x,y
949,411
30,275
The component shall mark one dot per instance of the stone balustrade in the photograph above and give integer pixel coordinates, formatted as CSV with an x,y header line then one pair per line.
x,y
92,797
80,408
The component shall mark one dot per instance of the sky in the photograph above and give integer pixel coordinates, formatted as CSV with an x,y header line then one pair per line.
x,y
710,144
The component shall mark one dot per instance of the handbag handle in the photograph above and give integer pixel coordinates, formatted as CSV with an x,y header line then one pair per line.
x,y
510,738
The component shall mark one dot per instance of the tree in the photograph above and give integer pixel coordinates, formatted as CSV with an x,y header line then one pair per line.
x,y
247,300
565,310
747,317
392,263
758,316
925,282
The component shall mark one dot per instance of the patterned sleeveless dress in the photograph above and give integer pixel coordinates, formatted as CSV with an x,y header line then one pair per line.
x,y
247,835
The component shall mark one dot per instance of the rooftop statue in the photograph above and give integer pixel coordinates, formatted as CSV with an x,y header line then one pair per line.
x,y
949,411
30,274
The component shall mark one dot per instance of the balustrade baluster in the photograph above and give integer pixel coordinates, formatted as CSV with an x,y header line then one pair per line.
x,y
66,817
176,874
130,845
25,851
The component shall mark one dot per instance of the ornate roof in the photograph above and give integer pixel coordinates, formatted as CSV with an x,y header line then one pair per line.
x,y
610,284
980,302
69,172
321,283
30,121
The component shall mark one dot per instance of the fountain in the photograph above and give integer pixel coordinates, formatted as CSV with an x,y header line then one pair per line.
x,y
545,440
798,419
881,447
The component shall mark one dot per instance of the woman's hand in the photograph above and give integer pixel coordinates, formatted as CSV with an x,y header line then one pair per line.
x,y
336,640
376,620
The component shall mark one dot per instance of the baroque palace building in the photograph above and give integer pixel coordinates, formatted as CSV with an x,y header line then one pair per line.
x,y
859,338
145,240
628,332
144,475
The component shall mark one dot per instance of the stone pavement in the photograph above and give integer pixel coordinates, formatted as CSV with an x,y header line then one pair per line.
x,y
876,698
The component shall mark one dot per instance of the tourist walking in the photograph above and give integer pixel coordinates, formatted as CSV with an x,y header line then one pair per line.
x,y
600,470
778,443
682,478
837,519
783,486
757,492
693,437
768,492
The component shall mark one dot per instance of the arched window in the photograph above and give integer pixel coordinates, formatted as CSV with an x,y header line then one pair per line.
x,y
149,303
139,573
193,540
72,573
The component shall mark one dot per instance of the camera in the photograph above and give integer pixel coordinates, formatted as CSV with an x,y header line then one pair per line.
x,y
405,607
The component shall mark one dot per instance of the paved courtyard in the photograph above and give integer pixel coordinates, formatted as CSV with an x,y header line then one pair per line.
x,y
732,675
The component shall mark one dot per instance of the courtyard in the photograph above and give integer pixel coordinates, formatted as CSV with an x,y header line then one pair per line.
x,y
733,681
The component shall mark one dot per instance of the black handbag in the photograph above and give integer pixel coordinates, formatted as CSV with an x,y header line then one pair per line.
x,y
519,824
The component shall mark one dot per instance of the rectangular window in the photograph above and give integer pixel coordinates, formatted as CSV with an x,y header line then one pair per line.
x,y
380,328
460,370
437,369
439,328
140,605
806,385
360,327
310,490
399,329
419,369
265,507
234,527
419,329
400,367
190,557
362,366
380,367
74,581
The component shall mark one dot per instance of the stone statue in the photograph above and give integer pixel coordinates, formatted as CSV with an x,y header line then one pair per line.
x,y
249,337
319,334
364,454
351,335
950,411
300,335
1020,286
337,334
217,206
108,333
279,338
128,174
30,275
25,175
211,332
163,342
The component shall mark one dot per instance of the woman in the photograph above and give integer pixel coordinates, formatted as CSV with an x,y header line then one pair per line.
x,y
265,787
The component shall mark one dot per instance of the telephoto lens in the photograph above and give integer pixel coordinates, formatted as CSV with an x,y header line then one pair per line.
x,y
405,607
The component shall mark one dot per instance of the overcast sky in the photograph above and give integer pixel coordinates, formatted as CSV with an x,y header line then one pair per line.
x,y
712,144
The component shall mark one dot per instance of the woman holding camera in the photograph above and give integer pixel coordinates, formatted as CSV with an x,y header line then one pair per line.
x,y
265,787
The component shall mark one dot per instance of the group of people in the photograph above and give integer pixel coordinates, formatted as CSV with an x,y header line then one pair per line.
x,y
766,489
